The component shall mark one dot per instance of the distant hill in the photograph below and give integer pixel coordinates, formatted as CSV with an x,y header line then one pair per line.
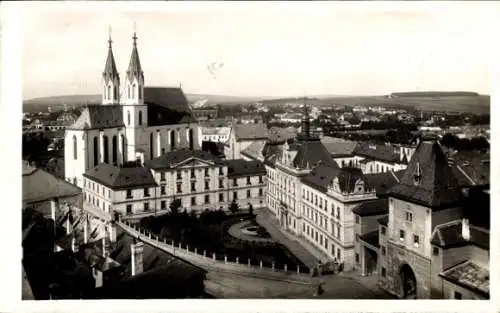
x,y
424,94
57,102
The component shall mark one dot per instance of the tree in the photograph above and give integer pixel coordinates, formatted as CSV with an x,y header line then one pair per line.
x,y
234,207
174,206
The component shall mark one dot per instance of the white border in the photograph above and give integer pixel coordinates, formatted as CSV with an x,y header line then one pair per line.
x,y
12,15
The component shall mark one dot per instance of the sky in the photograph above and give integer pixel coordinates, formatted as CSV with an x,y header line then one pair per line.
x,y
274,50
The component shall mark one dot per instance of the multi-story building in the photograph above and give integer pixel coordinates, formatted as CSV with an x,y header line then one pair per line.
x,y
196,178
214,134
133,122
377,158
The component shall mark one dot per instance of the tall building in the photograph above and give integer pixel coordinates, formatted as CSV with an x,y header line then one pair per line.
x,y
133,122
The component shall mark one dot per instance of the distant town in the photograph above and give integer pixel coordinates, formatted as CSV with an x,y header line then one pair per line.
x,y
145,194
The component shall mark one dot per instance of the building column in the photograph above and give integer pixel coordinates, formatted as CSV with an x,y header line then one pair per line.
x,y
101,143
362,259
158,143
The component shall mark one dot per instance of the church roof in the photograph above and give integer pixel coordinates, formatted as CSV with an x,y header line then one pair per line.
x,y
167,106
428,180
99,116
134,67
118,178
110,71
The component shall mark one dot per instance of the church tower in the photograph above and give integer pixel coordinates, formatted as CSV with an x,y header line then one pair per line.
x,y
135,112
111,78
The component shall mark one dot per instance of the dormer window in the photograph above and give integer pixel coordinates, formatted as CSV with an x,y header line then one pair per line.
x,y
417,176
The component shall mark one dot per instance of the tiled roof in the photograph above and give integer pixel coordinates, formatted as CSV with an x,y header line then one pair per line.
x,y
471,168
310,153
384,153
167,106
280,134
322,176
383,220
99,116
271,153
437,187
118,178
470,276
372,207
382,182
242,167
250,131
38,185
172,158
338,147
371,238
450,235
255,150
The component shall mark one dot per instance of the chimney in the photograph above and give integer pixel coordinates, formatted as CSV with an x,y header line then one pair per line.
x,y
465,229
137,256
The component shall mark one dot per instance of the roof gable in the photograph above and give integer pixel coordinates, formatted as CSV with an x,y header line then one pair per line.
x,y
175,158
99,116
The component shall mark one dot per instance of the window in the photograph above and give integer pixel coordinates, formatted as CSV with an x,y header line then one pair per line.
x,y
221,171
162,176
193,186
383,250
129,194
133,91
435,250
129,209
162,189
383,271
261,192
401,235
206,173
193,200
248,180
409,216
96,151
146,192
163,204
207,199
75,151
326,243
179,175
357,219
221,197
128,91
207,185
128,118
261,180
140,118
338,231
416,240
457,295
235,182
338,212
140,92
221,183
339,255
249,195
382,230
193,175
146,206
235,195
179,188
357,258
320,239
333,249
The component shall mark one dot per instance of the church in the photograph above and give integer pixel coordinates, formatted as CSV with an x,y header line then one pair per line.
x,y
134,122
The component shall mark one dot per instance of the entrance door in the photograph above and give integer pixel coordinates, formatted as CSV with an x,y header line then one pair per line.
x,y
408,282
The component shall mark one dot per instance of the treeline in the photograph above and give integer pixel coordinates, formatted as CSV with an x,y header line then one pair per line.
x,y
34,144
434,94
453,142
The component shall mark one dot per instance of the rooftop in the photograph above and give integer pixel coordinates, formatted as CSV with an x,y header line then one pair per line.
x,y
470,276
118,178
250,131
310,153
372,207
338,147
450,235
242,167
382,182
173,158
255,150
384,153
323,175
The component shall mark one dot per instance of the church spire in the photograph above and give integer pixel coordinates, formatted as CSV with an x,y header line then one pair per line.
x,y
134,67
110,71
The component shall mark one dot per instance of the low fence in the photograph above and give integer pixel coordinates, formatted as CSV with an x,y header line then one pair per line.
x,y
217,262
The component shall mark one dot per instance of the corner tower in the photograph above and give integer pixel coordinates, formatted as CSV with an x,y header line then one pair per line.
x,y
111,78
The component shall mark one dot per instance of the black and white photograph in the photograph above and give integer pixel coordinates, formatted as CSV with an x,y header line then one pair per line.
x,y
309,150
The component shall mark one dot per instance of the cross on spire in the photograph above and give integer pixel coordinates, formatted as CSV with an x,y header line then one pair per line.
x,y
109,38
135,36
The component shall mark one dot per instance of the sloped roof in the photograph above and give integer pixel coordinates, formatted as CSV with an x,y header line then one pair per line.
x,y
311,152
338,147
170,159
372,207
39,185
471,168
323,175
242,167
99,116
470,276
255,150
118,178
384,153
167,106
382,182
450,235
250,131
383,220
281,134
438,186
271,153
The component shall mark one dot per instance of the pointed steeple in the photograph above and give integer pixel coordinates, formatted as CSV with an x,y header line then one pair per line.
x,y
110,71
134,67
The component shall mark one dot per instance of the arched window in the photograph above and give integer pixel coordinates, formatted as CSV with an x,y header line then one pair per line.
x,y
75,151
116,92
140,92
106,150
96,151
150,145
140,117
128,91
109,92
128,118
124,149
191,139
105,96
133,90
114,151
172,139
